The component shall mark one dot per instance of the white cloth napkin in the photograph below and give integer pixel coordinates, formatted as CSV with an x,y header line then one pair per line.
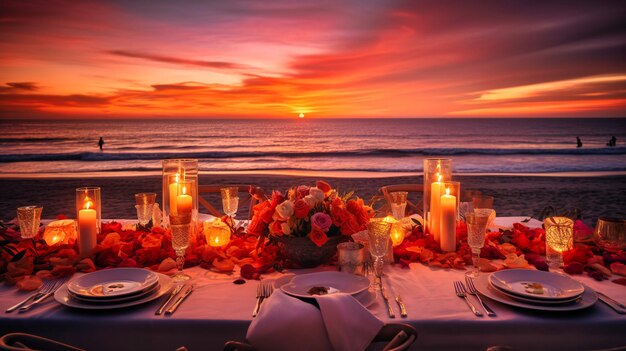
x,y
287,323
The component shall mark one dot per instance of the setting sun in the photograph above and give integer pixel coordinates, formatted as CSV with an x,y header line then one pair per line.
x,y
301,115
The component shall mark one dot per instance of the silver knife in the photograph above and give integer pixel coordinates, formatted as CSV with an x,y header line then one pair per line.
x,y
180,299
609,303
174,293
403,313
611,299
382,291
21,303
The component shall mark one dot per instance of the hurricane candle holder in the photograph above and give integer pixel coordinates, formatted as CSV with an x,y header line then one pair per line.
x,y
454,189
60,232
180,190
89,216
559,238
436,171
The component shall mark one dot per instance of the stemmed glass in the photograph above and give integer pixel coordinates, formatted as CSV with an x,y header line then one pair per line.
x,y
181,226
398,204
484,202
230,200
477,222
144,205
379,232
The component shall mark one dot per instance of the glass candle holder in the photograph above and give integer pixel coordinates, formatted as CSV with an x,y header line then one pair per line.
x,y
89,216
145,206
60,232
436,171
559,238
29,218
351,257
217,233
180,190
610,234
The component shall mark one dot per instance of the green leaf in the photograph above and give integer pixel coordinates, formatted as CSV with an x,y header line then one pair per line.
x,y
18,256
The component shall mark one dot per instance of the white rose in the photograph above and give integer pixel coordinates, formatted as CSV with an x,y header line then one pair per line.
x,y
310,200
285,210
317,194
285,228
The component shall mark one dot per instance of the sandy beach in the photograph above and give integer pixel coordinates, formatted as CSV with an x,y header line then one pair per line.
x,y
515,195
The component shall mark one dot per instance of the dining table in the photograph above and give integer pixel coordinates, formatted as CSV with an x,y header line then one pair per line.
x,y
219,310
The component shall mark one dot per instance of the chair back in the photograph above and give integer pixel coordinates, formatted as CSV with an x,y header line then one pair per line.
x,y
414,198
246,201
25,342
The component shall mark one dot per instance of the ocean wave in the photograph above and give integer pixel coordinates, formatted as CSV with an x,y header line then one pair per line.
x,y
104,156
32,140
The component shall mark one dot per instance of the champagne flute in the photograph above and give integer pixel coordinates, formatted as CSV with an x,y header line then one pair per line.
x,y
379,232
230,200
477,222
181,226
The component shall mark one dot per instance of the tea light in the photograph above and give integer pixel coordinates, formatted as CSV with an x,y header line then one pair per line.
x,y
559,238
217,233
60,232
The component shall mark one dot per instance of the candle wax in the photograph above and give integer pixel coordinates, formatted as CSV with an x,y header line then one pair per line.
x,y
87,237
435,211
448,223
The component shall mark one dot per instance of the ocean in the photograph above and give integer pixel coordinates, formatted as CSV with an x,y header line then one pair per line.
x,y
371,146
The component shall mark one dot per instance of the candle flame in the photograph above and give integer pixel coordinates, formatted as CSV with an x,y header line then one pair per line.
x,y
447,191
389,219
177,177
88,204
184,190
438,177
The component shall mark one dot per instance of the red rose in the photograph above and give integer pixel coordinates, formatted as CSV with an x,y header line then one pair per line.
x,y
256,226
266,215
318,237
277,198
276,229
323,186
301,208
338,212
350,226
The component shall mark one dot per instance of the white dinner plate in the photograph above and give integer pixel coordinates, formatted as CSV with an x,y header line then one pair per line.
x,y
63,297
342,282
365,298
114,282
587,299
551,286
116,299
535,301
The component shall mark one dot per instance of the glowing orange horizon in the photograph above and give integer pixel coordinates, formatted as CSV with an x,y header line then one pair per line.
x,y
291,60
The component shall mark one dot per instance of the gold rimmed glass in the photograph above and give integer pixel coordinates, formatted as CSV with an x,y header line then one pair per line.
x,y
379,232
230,200
29,218
181,230
477,222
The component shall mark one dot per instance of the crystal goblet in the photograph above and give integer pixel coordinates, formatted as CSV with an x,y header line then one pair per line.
x,y
477,222
181,227
379,232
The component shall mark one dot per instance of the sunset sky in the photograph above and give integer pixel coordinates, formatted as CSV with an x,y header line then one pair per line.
x,y
321,58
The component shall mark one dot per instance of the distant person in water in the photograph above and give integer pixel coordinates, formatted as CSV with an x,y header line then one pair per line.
x,y
100,143
612,142
578,142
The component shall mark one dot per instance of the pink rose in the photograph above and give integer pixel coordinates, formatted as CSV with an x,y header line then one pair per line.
x,y
322,221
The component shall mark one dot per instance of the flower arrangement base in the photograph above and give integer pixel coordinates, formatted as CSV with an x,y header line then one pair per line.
x,y
304,253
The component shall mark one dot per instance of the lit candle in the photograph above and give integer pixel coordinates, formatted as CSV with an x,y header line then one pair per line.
x,y
217,233
183,203
435,211
87,237
397,234
448,222
60,232
173,194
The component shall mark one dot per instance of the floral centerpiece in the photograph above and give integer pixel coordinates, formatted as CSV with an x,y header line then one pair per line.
x,y
308,222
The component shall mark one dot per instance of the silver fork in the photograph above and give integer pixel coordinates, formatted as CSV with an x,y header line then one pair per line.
x,y
45,286
50,289
264,290
259,298
471,289
460,292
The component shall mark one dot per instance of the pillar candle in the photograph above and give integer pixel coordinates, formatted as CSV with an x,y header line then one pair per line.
x,y
435,210
448,222
87,237
173,195
183,203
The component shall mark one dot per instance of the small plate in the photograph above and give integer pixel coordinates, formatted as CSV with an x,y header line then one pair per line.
x,y
535,301
63,296
343,282
117,299
115,282
587,299
538,285
365,298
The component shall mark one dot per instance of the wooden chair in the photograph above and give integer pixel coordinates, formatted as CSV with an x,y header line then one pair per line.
x,y
415,206
244,199
398,336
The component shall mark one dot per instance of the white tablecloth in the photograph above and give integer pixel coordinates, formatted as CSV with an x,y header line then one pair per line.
x,y
219,311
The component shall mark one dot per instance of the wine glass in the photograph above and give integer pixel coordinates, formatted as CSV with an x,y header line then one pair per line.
x,y
230,200
477,222
484,202
144,205
181,227
398,204
379,236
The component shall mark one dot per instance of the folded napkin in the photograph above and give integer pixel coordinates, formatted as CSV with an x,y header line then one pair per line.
x,y
286,323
